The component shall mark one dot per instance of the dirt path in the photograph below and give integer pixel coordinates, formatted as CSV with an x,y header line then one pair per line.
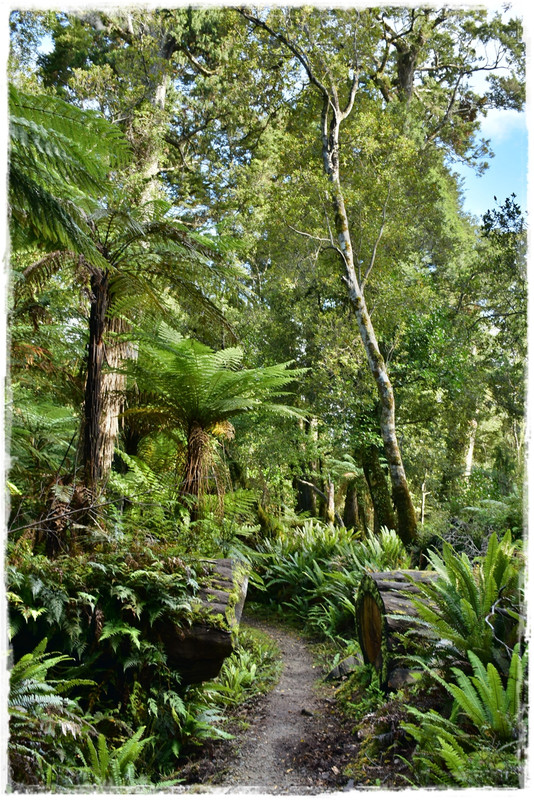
x,y
295,743
287,720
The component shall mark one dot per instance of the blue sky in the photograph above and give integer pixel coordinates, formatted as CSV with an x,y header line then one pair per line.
x,y
507,173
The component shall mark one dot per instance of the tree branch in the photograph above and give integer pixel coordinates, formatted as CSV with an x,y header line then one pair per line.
x,y
377,242
308,235
295,49
201,68
447,115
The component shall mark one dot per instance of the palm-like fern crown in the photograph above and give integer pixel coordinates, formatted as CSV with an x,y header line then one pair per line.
x,y
185,382
147,255
59,160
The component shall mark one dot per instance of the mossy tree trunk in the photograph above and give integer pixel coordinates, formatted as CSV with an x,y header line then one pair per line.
x,y
384,515
351,511
306,501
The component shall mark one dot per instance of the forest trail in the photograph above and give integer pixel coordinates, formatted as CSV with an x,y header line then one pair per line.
x,y
295,743
287,719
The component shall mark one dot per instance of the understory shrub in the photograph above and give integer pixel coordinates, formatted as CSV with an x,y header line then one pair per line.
x,y
482,742
473,606
313,571
474,618
45,725
252,669
102,611
133,719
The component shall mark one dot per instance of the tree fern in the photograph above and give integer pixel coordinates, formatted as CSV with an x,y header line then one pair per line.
x,y
59,159
136,262
186,385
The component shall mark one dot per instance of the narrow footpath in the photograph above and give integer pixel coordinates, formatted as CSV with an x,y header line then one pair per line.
x,y
268,757
295,743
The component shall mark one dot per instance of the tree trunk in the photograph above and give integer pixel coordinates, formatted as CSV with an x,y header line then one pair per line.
x,y
325,501
332,116
384,515
424,495
351,514
161,79
92,430
306,502
406,525
197,459
470,449
113,389
365,506
330,508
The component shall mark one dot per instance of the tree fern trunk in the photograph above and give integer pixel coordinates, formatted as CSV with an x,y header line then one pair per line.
x,y
113,389
92,431
197,460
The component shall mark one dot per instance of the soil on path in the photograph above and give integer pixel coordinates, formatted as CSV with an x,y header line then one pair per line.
x,y
295,743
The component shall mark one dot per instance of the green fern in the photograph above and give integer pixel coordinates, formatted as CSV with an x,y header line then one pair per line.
x,y
59,158
44,723
113,767
185,385
469,608
482,697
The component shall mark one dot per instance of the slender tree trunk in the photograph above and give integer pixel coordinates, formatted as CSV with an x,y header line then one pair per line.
x,y
351,512
384,515
406,519
92,429
365,506
470,449
306,497
326,502
330,508
331,118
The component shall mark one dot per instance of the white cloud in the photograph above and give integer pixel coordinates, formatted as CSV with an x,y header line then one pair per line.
x,y
501,125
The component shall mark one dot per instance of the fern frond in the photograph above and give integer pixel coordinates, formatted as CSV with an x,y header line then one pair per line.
x,y
515,683
453,756
468,700
103,755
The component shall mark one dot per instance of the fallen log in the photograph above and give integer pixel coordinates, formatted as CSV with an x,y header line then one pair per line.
x,y
197,652
384,613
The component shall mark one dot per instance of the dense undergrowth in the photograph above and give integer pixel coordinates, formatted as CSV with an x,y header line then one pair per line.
x,y
94,701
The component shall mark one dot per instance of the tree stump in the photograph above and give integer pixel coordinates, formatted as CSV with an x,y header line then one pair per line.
x,y
198,652
384,612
